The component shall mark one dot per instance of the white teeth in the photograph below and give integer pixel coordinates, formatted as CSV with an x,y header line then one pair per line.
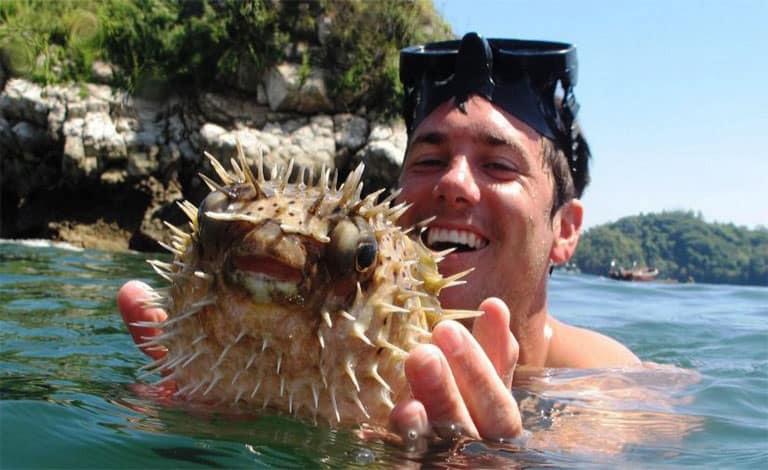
x,y
261,287
463,237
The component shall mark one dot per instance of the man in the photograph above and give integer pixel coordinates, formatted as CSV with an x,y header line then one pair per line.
x,y
495,156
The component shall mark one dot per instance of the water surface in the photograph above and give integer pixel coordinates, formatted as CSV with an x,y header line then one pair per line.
x,y
70,395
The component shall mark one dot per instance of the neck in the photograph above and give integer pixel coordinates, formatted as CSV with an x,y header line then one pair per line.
x,y
534,338
529,324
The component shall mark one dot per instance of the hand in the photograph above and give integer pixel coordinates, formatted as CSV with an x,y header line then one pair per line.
x,y
461,383
131,301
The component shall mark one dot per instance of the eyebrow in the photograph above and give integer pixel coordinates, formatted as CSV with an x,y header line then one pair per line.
x,y
485,136
433,138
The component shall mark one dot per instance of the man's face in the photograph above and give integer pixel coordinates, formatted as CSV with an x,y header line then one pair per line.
x,y
481,175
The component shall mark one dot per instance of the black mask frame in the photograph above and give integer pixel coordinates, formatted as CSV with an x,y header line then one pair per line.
x,y
531,80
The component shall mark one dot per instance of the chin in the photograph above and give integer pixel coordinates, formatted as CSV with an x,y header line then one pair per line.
x,y
459,297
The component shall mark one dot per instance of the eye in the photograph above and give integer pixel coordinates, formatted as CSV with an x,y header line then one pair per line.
x,y
501,169
366,254
211,230
429,161
352,249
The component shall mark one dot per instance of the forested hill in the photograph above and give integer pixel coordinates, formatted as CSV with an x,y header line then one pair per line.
x,y
681,245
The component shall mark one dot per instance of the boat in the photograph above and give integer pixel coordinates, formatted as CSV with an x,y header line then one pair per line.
x,y
638,274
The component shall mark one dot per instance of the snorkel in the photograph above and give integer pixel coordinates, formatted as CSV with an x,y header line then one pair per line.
x,y
531,80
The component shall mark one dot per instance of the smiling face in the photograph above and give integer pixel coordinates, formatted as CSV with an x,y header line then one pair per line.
x,y
480,173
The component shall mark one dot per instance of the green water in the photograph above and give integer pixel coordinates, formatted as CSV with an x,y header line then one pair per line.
x,y
70,398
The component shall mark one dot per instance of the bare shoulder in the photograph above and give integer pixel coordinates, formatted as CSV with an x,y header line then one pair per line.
x,y
576,347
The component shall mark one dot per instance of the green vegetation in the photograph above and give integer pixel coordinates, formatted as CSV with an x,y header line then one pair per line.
x,y
681,245
197,44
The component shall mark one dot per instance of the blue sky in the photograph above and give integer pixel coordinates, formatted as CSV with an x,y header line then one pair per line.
x,y
673,94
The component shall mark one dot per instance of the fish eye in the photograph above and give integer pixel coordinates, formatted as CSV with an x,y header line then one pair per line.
x,y
365,257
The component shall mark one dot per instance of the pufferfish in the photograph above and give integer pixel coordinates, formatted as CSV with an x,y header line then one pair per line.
x,y
301,298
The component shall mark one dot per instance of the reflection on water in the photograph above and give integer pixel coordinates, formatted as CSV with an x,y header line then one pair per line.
x,y
68,378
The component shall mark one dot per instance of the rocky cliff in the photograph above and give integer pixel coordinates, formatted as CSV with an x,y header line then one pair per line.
x,y
92,165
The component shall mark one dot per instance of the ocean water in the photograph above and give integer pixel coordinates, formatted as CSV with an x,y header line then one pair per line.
x,y
70,397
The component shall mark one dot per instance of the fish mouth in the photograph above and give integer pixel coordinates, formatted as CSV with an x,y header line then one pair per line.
x,y
267,279
462,240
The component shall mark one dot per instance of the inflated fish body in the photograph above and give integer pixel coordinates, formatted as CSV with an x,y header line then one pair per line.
x,y
302,298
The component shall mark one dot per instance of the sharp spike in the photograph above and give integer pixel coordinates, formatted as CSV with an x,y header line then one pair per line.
x,y
386,399
315,397
424,223
260,168
170,248
360,405
148,324
282,386
256,388
222,173
346,315
323,183
216,378
204,276
392,196
250,360
327,317
391,308
382,342
279,362
302,176
316,204
190,211
454,314
288,172
375,374
351,373
233,217
244,164
183,390
212,185
454,278
335,406
419,330
357,331
239,394
191,358
320,339
197,387
223,355
335,179
154,364
165,379
239,174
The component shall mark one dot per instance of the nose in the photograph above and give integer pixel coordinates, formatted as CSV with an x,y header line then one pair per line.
x,y
457,186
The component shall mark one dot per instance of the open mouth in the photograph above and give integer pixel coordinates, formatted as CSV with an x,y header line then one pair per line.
x,y
440,239
264,276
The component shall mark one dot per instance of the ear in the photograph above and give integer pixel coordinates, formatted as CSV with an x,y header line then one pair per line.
x,y
567,227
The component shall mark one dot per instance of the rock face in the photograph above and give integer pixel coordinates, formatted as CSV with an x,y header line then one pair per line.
x,y
94,160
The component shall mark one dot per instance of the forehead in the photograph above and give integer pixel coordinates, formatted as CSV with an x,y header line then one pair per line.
x,y
482,122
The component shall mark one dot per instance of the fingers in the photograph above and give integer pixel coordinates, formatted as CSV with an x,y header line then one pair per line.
x,y
491,406
492,332
409,420
433,385
130,301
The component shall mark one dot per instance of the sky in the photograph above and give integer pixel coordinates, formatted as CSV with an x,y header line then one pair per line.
x,y
673,95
